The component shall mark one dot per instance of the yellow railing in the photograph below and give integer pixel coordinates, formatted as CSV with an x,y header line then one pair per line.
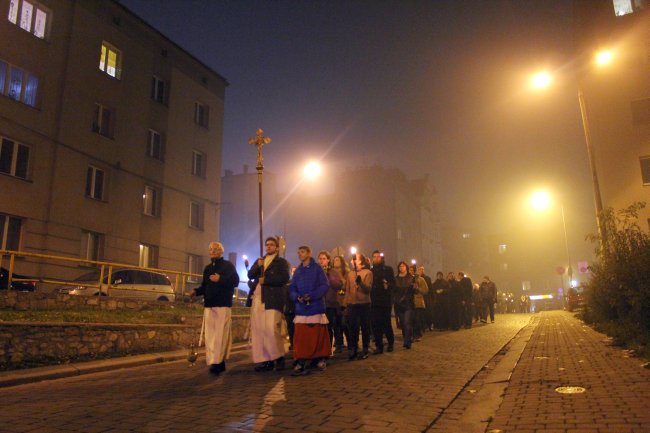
x,y
180,277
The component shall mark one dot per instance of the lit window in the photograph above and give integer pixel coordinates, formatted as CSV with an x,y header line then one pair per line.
x,y
194,266
196,215
625,7
504,266
466,235
95,183
155,145
91,246
10,231
158,90
201,114
148,256
198,163
110,60
14,158
103,121
18,84
502,248
645,169
150,200
33,17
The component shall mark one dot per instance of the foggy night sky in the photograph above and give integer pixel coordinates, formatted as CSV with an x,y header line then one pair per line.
x,y
432,87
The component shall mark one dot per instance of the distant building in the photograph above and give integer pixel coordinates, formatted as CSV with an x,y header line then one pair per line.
x,y
618,96
369,208
110,136
239,222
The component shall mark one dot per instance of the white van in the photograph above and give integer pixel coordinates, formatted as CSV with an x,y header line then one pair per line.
x,y
125,283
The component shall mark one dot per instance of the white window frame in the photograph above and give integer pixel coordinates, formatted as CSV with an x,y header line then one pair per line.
x,y
91,245
90,188
30,16
194,266
201,114
148,257
196,207
198,163
104,56
14,158
151,145
98,120
4,231
155,90
151,201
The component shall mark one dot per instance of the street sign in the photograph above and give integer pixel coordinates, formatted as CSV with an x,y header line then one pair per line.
x,y
560,270
583,267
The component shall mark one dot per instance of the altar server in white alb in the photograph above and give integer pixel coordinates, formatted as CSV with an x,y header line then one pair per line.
x,y
219,281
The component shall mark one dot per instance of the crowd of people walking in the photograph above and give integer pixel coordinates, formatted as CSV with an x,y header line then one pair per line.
x,y
330,304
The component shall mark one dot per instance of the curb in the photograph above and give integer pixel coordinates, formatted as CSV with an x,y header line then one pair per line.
x,y
21,377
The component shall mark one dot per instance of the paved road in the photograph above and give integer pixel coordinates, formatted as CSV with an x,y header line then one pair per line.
x,y
404,391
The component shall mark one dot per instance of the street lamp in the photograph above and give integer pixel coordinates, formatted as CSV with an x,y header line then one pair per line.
x,y
541,201
312,170
542,80
260,140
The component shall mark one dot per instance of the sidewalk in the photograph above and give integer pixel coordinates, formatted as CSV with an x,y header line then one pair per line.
x,y
564,352
19,377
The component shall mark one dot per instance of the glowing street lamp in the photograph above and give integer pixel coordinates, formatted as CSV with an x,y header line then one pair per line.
x,y
541,80
353,250
312,170
541,201
603,58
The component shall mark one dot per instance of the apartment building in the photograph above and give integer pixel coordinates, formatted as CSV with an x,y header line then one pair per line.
x,y
617,96
111,138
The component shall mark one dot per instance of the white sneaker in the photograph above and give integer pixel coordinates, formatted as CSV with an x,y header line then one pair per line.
x,y
322,365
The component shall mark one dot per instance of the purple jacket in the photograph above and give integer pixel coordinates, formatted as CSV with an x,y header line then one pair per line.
x,y
309,280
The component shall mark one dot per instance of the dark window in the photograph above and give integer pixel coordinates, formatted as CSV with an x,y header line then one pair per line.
x,y
10,231
155,145
140,277
14,158
158,90
645,169
201,114
103,121
95,183
160,280
123,277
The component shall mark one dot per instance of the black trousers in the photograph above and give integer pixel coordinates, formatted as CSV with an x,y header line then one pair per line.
x,y
359,319
335,327
381,325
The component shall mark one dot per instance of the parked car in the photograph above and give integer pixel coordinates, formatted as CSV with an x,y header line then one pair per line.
x,y
125,283
575,298
21,286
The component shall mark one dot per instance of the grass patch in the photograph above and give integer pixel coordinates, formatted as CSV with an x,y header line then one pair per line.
x,y
628,336
154,315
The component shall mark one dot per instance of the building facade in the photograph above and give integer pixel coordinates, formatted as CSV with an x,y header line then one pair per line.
x,y
111,138
617,96
368,208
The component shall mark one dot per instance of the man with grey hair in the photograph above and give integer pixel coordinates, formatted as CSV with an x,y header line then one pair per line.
x,y
217,288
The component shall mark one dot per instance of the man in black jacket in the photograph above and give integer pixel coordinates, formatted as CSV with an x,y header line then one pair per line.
x,y
383,282
217,288
466,308
271,274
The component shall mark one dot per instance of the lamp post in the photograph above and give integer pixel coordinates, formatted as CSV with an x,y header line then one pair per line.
x,y
541,200
260,140
542,80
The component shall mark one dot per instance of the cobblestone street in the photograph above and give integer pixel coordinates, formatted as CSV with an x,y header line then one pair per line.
x,y
403,391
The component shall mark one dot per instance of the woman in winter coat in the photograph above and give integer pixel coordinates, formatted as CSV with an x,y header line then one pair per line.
x,y
404,303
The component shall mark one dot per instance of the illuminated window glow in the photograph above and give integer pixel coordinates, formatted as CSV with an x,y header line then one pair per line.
x,y
33,17
110,60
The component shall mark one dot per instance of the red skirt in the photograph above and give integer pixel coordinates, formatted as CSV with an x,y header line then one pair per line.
x,y
311,341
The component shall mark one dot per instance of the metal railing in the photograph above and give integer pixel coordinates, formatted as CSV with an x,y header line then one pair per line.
x,y
105,268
